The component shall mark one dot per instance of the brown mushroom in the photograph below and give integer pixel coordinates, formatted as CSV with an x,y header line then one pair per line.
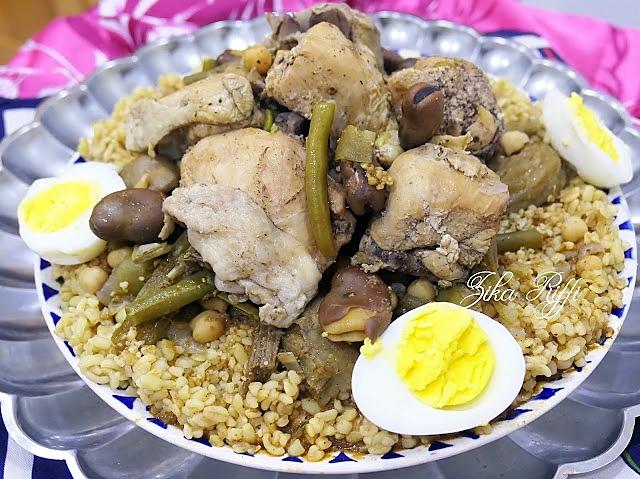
x,y
422,114
129,215
393,61
159,174
361,196
359,305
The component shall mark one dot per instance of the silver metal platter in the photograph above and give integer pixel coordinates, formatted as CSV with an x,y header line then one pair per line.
x,y
52,413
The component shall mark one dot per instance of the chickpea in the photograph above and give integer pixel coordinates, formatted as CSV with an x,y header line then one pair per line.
x,y
91,279
513,141
588,263
117,256
257,57
574,229
208,326
422,289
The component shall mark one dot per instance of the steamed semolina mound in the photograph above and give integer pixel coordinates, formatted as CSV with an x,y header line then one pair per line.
x,y
260,358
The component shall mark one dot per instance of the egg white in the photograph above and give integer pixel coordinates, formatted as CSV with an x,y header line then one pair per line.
x,y
386,401
76,243
572,143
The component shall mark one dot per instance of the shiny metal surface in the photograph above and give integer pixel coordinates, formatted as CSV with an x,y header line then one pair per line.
x,y
49,410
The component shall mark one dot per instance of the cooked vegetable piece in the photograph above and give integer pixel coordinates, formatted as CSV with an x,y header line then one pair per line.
x,y
515,240
153,331
357,303
247,308
165,301
264,353
194,77
127,279
268,121
490,260
208,64
149,251
316,169
289,361
455,294
134,214
532,175
160,278
355,145
327,366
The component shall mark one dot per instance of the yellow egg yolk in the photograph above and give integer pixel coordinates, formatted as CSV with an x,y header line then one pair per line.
x,y
444,357
370,350
58,206
597,133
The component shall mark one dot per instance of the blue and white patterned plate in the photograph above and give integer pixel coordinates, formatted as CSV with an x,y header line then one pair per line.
x,y
68,116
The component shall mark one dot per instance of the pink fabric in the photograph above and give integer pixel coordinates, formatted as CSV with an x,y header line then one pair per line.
x,y
70,48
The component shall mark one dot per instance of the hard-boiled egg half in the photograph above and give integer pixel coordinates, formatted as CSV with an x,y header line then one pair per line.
x,y
54,214
438,369
578,135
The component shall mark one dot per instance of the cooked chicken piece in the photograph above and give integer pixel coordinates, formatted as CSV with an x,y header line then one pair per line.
x,y
354,25
248,253
269,167
326,66
326,366
224,100
470,106
443,210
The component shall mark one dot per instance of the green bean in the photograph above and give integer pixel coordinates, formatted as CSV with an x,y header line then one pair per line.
x,y
490,260
247,308
194,77
133,274
268,121
127,278
208,64
181,245
153,331
164,301
158,279
517,239
147,252
355,145
316,170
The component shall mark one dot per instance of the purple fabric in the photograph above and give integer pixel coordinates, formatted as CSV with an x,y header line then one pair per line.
x,y
70,48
